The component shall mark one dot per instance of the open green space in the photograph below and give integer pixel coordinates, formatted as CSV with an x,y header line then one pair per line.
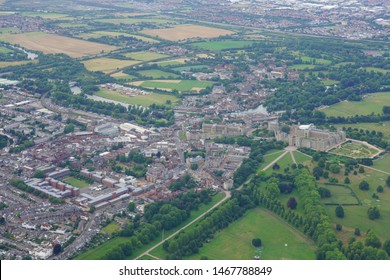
x,y
76,182
383,163
269,157
135,20
158,74
223,45
373,103
284,162
179,85
142,100
339,195
111,228
145,56
311,60
280,240
4,50
379,70
48,15
354,150
383,127
329,82
301,158
189,67
302,66
99,252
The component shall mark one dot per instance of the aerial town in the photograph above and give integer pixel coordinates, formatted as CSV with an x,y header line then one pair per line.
x,y
122,124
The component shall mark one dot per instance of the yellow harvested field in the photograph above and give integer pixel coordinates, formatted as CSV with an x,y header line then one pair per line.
x,y
137,84
107,65
186,31
14,63
50,43
119,74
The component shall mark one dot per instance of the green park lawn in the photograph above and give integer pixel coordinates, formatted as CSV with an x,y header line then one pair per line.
x,y
269,157
372,104
235,242
111,228
301,158
284,162
339,195
179,85
383,163
76,182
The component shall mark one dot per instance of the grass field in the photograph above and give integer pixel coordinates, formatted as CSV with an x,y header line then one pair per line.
x,y
223,45
4,50
50,43
187,31
100,251
284,162
158,74
383,163
53,16
171,62
312,60
123,76
339,195
111,228
98,34
71,25
107,65
143,100
170,85
4,64
383,127
145,56
76,182
235,242
371,104
126,20
375,69
269,157
354,150
190,67
302,66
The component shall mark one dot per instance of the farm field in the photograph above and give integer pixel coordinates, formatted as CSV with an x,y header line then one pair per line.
x,y
142,100
235,242
383,163
123,76
187,31
158,74
170,85
50,43
76,182
135,20
48,15
371,104
354,150
312,60
171,62
145,56
4,64
383,127
189,67
302,66
222,45
111,228
71,25
98,34
107,65
101,250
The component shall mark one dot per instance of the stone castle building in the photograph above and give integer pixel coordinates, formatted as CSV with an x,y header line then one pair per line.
x,y
211,131
308,136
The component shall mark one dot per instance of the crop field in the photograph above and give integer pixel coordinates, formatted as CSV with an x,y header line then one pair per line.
x,y
50,43
383,163
123,76
383,127
339,195
135,20
75,182
280,240
142,100
111,228
48,15
71,25
171,62
107,65
98,34
354,150
187,31
158,74
145,56
190,67
170,85
4,64
373,103
223,45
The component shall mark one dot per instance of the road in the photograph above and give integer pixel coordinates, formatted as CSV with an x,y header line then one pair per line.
x,y
228,195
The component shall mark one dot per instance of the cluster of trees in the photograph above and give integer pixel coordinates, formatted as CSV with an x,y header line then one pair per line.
x,y
158,216
19,184
23,146
372,137
138,167
367,249
3,141
183,183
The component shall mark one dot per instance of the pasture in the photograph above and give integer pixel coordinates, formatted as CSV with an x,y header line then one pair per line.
x,y
170,85
373,103
280,240
223,45
76,182
142,100
145,56
123,76
107,65
158,74
339,195
354,150
50,43
135,20
171,62
187,31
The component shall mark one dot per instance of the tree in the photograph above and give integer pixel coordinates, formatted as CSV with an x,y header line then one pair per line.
x,y
2,221
334,168
276,166
285,129
379,189
69,128
292,203
372,240
388,181
131,207
361,169
386,246
324,192
373,213
39,174
57,249
347,181
339,227
357,231
256,242
364,185
340,211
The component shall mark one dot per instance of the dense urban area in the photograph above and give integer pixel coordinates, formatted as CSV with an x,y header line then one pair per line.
x,y
176,129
